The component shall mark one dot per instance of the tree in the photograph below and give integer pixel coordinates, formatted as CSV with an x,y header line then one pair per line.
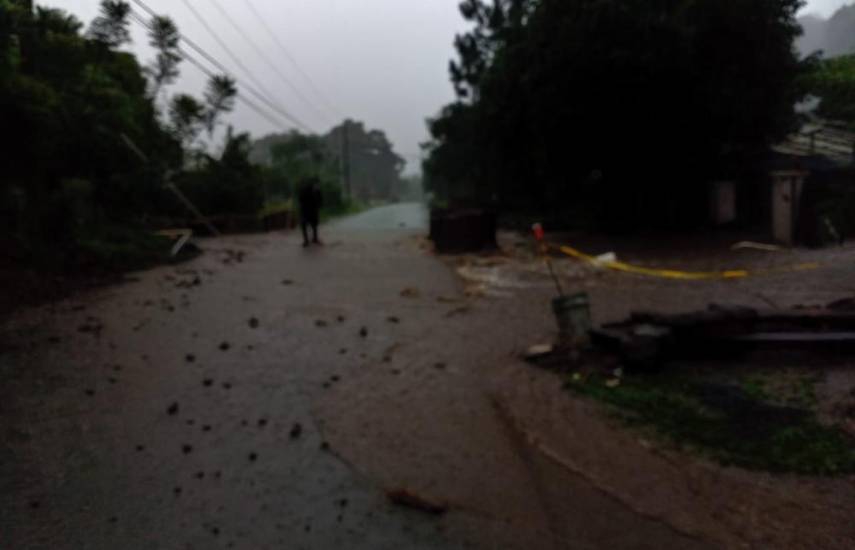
x,y
110,28
187,116
833,81
70,97
374,166
219,98
164,38
654,98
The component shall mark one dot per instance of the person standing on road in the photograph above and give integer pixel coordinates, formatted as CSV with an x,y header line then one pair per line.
x,y
310,209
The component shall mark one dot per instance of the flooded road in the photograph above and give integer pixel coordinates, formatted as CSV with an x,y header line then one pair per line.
x,y
270,396
177,410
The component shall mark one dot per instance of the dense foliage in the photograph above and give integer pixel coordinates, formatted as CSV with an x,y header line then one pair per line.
x,y
619,110
368,157
833,83
85,113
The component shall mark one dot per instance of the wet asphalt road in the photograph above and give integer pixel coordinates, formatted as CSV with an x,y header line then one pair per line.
x,y
178,410
266,396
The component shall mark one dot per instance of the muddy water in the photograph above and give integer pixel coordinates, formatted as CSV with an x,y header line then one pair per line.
x,y
267,396
178,410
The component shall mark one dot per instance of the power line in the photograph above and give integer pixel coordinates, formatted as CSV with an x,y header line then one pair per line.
x,y
293,61
275,68
235,59
212,60
195,62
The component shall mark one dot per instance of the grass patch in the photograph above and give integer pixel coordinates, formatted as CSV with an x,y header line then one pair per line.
x,y
736,424
121,250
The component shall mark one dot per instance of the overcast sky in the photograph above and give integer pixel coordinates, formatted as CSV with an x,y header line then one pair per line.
x,y
384,62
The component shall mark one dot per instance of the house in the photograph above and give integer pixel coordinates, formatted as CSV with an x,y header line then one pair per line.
x,y
800,191
811,168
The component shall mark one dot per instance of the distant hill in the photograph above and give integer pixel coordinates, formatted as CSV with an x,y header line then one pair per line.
x,y
834,36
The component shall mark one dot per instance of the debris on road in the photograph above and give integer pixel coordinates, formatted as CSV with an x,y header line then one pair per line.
x,y
408,499
463,310
646,340
363,332
225,346
749,245
254,323
539,351
195,281
296,431
172,410
411,293
92,326
320,323
393,320
459,230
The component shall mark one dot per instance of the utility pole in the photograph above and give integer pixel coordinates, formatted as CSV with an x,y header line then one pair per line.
x,y
129,143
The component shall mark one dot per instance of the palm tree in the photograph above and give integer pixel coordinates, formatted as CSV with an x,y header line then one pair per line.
x,y
220,98
164,37
111,26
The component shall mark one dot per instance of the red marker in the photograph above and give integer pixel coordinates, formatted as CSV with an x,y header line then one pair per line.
x,y
538,232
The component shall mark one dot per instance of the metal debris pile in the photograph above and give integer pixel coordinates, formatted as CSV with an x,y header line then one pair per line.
x,y
646,340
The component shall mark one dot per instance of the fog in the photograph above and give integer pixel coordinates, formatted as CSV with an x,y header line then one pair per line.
x,y
384,62
380,61
823,7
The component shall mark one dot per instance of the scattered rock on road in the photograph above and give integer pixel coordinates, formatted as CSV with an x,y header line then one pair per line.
x,y
408,499
411,293
296,431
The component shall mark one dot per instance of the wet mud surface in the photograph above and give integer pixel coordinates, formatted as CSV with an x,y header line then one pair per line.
x,y
267,396
178,411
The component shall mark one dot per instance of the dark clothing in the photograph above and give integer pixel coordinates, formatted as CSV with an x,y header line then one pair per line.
x,y
310,202
310,211
305,223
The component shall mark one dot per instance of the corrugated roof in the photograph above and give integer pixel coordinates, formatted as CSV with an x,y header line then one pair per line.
x,y
821,139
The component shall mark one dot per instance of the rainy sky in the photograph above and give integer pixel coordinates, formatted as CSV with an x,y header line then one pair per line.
x,y
384,62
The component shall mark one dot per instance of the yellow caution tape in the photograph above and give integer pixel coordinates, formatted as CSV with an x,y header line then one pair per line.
x,y
675,274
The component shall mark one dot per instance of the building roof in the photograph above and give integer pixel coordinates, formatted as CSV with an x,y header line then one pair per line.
x,y
830,141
